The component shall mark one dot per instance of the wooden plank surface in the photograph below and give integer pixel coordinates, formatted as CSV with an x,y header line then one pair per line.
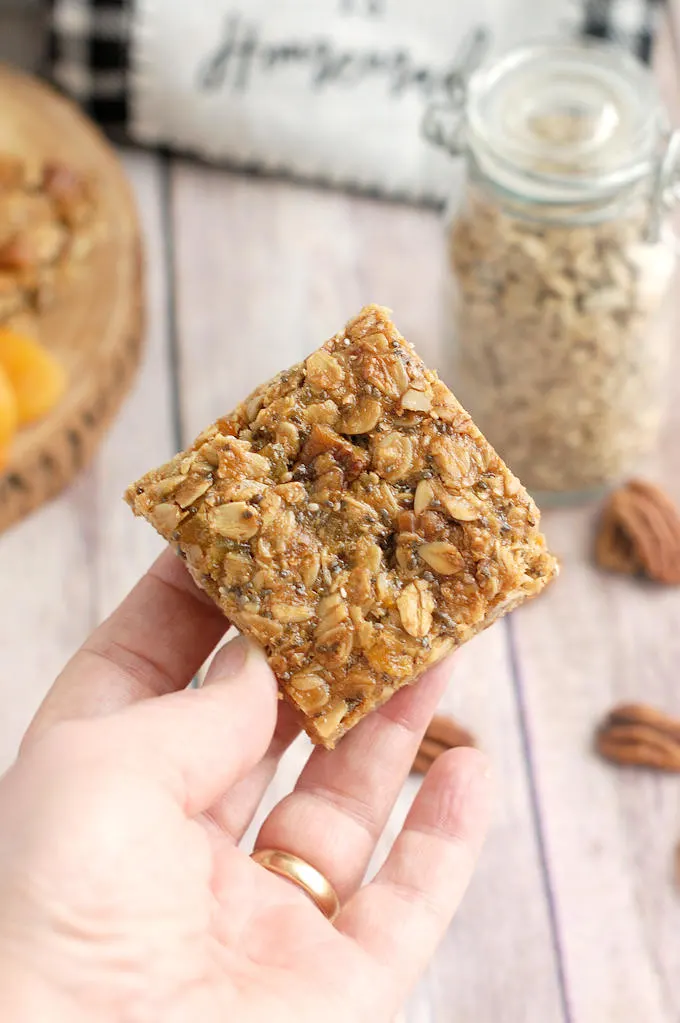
x,y
609,835
264,272
145,433
66,567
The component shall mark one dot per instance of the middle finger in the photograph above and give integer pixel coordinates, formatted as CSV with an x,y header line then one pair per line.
x,y
343,798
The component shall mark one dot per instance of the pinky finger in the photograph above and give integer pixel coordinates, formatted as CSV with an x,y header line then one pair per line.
x,y
402,915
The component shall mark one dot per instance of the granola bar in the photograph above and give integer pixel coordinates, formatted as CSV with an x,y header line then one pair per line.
x,y
350,517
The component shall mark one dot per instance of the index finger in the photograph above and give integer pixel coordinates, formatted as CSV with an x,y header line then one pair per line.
x,y
152,644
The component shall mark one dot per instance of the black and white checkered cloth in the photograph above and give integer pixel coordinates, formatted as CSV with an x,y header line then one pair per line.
x,y
89,56
632,23
90,40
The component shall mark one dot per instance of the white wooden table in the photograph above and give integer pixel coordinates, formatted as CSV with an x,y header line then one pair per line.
x,y
572,916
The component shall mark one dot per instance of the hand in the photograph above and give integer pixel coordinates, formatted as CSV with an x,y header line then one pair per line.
x,y
123,893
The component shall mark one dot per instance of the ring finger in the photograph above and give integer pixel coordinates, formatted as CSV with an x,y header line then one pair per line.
x,y
342,800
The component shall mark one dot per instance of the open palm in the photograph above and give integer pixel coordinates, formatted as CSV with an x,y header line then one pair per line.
x,y
124,895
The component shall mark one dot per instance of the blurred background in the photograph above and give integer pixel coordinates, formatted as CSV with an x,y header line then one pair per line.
x,y
291,162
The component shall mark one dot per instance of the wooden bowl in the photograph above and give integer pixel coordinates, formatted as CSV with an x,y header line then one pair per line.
x,y
95,325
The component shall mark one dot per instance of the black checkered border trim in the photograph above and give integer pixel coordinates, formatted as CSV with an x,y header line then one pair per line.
x,y
89,56
630,23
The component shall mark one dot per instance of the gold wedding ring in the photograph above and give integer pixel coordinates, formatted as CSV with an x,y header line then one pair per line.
x,y
302,874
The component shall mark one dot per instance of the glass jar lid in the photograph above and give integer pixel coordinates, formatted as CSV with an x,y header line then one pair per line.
x,y
565,121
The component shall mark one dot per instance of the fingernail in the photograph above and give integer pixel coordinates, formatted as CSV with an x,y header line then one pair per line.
x,y
230,659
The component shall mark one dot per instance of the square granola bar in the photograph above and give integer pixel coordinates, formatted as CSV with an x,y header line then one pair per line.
x,y
351,518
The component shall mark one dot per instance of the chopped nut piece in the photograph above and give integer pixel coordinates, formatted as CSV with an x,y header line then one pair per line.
x,y
310,564
265,630
323,371
288,436
360,586
312,700
324,413
392,455
322,440
424,496
165,517
304,681
362,417
191,490
242,490
292,612
237,520
334,645
463,509
292,493
330,615
236,569
416,605
352,562
452,459
165,487
442,556
386,374
416,401
328,724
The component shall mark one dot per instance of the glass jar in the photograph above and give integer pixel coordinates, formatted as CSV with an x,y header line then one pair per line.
x,y
561,258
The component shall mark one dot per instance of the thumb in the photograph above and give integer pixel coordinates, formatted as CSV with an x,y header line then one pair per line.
x,y
202,741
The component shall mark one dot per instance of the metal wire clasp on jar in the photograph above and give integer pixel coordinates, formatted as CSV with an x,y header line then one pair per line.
x,y
561,256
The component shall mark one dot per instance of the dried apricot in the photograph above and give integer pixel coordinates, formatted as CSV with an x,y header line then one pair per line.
x,y
36,377
9,415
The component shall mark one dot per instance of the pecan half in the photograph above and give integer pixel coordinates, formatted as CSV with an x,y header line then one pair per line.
x,y
636,735
639,533
322,440
443,733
